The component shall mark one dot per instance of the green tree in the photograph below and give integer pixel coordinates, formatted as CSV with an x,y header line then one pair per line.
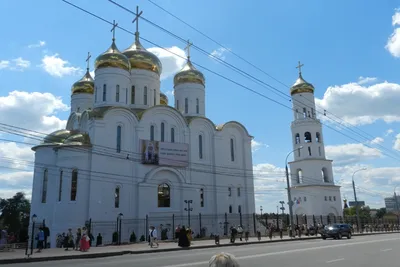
x,y
15,212
381,213
364,212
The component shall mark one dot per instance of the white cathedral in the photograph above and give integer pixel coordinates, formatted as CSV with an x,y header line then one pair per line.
x,y
312,185
126,150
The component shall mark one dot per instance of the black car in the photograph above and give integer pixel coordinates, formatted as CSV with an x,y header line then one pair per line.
x,y
336,231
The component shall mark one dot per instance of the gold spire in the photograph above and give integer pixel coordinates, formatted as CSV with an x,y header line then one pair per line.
x,y
136,19
187,49
299,68
87,60
113,30
86,84
301,85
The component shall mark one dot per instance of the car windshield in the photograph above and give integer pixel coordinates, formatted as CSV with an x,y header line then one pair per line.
x,y
332,226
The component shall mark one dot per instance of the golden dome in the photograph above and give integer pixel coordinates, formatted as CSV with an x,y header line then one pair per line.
x,y
112,58
56,137
301,86
189,74
84,85
142,59
163,99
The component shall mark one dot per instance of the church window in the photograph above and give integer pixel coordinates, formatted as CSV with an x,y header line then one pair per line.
x,y
164,200
186,105
202,197
330,198
95,94
312,113
325,177
116,196
162,132
117,94
60,186
298,152
307,137
239,209
44,185
238,191
126,96
152,132
119,129
230,208
145,96
232,150
334,198
318,138
304,112
78,109
319,150
172,135
133,94
197,106
297,138
177,104
154,97
200,146
305,199
229,191
326,198
309,151
299,176
104,92
74,185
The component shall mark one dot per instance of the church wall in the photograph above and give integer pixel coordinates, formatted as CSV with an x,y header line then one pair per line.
x,y
301,101
81,102
192,92
141,79
311,171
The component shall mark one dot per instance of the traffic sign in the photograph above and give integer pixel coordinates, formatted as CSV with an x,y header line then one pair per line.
x,y
353,203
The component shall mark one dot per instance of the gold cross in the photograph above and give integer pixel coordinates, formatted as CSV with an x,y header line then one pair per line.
x,y
113,29
136,19
299,67
187,48
87,59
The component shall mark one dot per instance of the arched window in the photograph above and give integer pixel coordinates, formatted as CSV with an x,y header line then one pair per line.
x,y
239,209
133,94
297,138
238,191
230,208
145,96
162,132
119,128
116,196
74,185
202,197
154,97
232,150
309,151
307,137
104,92
229,191
200,146
186,105
152,132
117,94
304,113
317,138
197,106
312,113
164,194
60,186
324,174
172,135
44,185
299,176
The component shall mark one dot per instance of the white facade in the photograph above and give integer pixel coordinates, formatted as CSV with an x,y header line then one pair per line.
x,y
312,185
93,168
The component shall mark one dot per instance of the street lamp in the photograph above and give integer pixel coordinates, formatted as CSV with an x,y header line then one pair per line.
x,y
397,205
355,197
290,202
119,222
261,209
188,209
34,217
282,208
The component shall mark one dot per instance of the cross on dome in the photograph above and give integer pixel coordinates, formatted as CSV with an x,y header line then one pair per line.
x,y
136,19
187,48
113,29
299,67
87,60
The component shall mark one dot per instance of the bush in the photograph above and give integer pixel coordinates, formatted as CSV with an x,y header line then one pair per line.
x,y
132,239
142,239
115,237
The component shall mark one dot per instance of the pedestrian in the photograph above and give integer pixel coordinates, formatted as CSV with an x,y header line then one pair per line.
x,y
153,236
40,240
69,240
78,239
223,260
183,238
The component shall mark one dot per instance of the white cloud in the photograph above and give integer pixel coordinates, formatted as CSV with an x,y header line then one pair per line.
x,y
38,44
257,145
377,141
92,74
56,66
365,80
17,156
171,63
4,64
397,143
219,53
170,93
393,42
359,104
17,64
21,63
389,132
351,153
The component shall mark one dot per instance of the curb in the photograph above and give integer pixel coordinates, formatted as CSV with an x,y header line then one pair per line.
x,y
125,252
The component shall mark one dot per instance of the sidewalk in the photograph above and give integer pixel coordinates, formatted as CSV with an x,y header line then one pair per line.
x,y
18,256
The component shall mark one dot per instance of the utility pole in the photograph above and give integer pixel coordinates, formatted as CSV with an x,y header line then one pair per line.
x,y
355,199
189,209
397,205
282,208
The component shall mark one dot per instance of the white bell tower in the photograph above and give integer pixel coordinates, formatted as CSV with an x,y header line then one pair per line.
x,y
313,189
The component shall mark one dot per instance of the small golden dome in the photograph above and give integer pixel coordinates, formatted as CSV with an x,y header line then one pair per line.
x,y
189,74
163,99
142,59
301,86
112,58
56,137
84,85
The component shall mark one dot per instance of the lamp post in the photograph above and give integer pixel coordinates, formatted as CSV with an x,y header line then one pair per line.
x,y
34,217
119,221
189,209
282,208
355,198
397,205
290,202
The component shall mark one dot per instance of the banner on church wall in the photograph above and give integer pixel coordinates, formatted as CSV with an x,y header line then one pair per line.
x,y
166,154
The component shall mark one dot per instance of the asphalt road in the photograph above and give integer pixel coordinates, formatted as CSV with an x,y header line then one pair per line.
x,y
365,251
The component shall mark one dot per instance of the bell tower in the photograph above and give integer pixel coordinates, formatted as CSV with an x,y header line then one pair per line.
x,y
313,188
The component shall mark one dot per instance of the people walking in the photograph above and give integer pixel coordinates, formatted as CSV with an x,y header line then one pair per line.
x,y
40,240
183,238
153,236
69,240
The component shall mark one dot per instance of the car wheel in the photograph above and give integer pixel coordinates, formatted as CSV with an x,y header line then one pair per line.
x,y
339,236
349,236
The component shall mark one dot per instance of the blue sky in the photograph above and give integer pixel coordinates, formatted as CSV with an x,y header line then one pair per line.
x,y
44,47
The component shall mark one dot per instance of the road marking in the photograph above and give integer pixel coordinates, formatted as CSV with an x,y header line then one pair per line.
x,y
286,252
342,259
388,249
